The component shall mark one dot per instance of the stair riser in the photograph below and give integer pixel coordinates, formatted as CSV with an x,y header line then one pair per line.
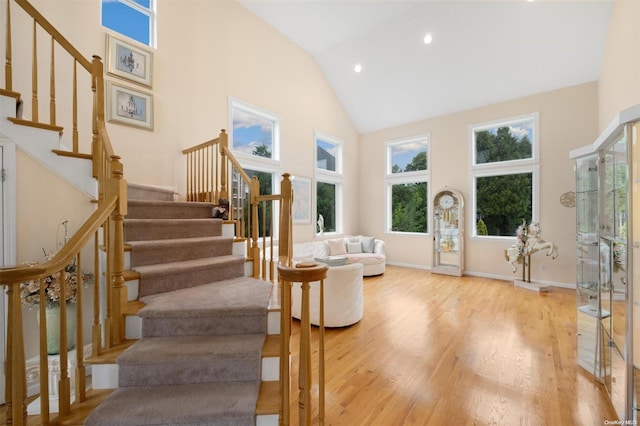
x,y
181,210
144,192
105,376
167,253
179,279
202,371
164,229
267,420
133,326
230,324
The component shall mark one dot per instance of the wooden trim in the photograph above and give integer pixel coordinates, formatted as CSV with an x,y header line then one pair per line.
x,y
5,92
29,123
72,154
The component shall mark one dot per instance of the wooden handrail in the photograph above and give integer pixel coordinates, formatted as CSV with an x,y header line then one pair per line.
x,y
49,28
107,219
17,274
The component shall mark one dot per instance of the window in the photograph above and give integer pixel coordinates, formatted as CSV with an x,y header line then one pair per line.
x,y
328,174
135,19
254,140
408,185
255,132
267,182
505,175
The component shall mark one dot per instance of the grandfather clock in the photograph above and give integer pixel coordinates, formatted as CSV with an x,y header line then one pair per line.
x,y
448,233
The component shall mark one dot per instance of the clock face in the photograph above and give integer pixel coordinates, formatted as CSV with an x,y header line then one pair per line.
x,y
446,201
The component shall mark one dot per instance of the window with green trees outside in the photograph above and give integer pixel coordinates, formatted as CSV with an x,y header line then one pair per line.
x,y
505,176
408,185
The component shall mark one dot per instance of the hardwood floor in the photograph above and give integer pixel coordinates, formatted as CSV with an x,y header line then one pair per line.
x,y
439,350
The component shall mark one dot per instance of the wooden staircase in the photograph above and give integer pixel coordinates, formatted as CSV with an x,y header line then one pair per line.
x,y
116,310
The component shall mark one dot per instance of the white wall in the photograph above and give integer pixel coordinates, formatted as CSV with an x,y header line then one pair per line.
x,y
568,119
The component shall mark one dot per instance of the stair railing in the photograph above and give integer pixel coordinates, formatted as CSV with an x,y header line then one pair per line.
x,y
103,230
37,61
304,273
214,174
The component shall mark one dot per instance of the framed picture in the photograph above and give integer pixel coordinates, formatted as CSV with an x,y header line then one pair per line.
x,y
127,61
301,199
129,106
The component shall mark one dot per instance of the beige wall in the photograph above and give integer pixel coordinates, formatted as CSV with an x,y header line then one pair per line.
x,y
207,52
568,120
619,84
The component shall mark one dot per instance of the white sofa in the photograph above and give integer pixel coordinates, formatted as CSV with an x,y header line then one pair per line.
x,y
343,297
368,251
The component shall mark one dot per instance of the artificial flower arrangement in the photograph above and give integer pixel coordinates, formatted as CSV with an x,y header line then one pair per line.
x,y
30,290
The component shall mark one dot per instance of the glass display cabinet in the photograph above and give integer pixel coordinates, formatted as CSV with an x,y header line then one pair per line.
x,y
448,233
607,242
587,262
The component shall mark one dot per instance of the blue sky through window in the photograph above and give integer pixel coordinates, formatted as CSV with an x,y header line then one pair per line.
x,y
126,20
251,131
403,154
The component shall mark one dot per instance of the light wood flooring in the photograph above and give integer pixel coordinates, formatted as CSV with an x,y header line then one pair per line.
x,y
439,350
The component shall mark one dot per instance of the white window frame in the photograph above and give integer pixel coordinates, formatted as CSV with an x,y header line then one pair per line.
x,y
240,105
255,162
329,176
528,165
151,12
417,176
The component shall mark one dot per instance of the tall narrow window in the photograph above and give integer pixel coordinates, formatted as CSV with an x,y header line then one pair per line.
x,y
135,19
254,140
408,185
329,177
505,175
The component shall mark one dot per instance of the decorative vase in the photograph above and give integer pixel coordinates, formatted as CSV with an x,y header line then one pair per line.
x,y
53,327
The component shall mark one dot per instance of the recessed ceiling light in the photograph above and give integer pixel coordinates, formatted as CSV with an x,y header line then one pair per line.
x,y
357,68
428,38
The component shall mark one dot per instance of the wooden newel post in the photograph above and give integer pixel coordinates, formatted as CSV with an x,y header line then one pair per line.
x,y
224,146
305,273
119,186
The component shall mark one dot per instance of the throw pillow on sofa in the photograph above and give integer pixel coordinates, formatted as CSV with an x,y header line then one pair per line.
x,y
336,247
367,244
354,247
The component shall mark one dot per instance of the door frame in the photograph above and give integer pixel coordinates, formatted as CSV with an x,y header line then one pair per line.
x,y
8,218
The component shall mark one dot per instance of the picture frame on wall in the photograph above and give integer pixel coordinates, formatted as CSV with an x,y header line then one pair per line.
x,y
301,199
128,61
129,106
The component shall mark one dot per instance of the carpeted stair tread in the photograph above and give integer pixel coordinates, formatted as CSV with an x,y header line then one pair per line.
x,y
235,306
162,229
242,295
191,359
150,209
212,404
165,277
178,249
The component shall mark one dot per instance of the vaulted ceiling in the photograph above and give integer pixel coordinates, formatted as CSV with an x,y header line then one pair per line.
x,y
482,52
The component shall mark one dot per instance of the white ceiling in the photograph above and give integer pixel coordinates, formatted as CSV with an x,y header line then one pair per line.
x,y
483,52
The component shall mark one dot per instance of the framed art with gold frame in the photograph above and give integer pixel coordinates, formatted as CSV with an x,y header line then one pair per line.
x,y
129,106
128,61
